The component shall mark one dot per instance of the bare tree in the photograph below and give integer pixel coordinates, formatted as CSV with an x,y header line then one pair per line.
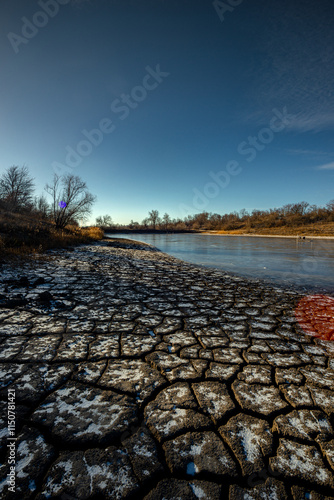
x,y
41,206
70,199
166,221
330,210
153,217
107,220
145,222
16,188
104,220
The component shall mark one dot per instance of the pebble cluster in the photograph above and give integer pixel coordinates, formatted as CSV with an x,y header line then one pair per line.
x,y
138,375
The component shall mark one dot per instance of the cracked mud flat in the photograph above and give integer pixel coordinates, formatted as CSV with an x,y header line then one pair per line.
x,y
140,376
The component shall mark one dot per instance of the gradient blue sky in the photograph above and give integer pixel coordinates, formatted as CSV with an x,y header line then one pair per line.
x,y
227,72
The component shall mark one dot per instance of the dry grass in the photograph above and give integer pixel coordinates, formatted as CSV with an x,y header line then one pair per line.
x,y
317,229
25,236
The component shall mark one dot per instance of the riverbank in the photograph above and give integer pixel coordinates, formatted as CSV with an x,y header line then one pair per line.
x,y
312,230
25,236
297,236
137,375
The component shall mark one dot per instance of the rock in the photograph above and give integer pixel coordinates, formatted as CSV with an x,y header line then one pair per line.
x,y
45,297
24,281
39,281
12,303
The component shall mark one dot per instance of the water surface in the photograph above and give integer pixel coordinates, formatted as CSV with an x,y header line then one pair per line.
x,y
292,261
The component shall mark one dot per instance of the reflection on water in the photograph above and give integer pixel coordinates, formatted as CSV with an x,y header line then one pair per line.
x,y
284,260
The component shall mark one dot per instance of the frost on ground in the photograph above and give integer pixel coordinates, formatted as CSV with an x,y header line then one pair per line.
x,y
139,375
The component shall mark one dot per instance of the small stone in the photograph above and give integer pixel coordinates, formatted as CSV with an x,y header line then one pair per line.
x,y
12,303
24,281
45,297
39,281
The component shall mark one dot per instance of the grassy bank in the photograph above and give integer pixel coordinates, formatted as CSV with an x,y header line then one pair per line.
x,y
317,229
23,236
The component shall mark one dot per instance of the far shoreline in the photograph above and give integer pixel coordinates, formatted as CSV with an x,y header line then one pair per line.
x,y
217,233
303,237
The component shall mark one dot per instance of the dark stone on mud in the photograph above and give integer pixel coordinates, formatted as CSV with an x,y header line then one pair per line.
x,y
12,303
24,281
39,281
45,297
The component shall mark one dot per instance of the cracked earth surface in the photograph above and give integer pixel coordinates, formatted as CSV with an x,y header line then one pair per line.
x,y
138,375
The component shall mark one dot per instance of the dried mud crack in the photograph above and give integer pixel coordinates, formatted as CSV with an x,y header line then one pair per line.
x,y
137,375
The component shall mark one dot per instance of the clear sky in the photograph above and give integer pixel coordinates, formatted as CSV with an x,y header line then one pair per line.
x,y
194,105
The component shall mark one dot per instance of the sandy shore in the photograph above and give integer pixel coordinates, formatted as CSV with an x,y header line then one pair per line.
x,y
137,375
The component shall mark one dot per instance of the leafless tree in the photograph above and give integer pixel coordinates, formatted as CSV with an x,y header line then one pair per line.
x,y
104,221
145,222
70,199
16,189
153,217
41,206
166,221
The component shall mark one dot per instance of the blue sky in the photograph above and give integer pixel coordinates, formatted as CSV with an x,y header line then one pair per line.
x,y
228,72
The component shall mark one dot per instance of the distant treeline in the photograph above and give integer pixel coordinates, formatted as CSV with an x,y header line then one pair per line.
x,y
291,215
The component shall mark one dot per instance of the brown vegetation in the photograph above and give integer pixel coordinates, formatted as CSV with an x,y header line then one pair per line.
x,y
24,235
292,219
